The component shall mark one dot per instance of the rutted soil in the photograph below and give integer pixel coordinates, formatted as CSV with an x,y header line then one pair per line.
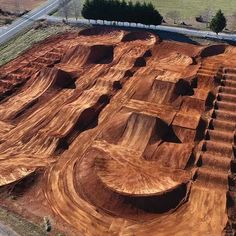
x,y
120,133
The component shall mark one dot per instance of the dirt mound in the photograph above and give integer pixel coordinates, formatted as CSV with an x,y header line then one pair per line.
x,y
132,134
14,175
83,55
167,47
97,31
132,36
62,79
166,88
139,205
178,59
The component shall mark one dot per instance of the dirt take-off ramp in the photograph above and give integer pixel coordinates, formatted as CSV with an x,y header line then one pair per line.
x,y
120,133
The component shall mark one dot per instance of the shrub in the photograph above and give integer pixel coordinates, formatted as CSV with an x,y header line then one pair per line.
x,y
8,21
218,22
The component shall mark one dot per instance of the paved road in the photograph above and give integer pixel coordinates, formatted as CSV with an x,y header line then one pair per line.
x,y
198,33
28,19
6,231
189,32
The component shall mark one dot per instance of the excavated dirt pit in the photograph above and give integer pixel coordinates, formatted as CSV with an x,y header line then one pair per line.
x,y
110,132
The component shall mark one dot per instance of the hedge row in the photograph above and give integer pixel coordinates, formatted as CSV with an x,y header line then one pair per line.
x,y
115,10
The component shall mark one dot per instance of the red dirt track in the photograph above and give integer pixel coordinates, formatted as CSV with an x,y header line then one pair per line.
x,y
130,135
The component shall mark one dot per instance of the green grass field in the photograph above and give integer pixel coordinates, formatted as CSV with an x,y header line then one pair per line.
x,y
187,8
20,225
9,50
192,8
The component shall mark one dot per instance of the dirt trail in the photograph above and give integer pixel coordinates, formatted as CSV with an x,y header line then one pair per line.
x,y
135,135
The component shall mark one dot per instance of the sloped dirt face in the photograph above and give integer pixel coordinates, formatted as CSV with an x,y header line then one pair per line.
x,y
114,132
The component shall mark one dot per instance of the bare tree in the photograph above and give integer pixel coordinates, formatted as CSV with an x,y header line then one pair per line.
x,y
77,8
207,15
17,6
232,21
173,15
64,8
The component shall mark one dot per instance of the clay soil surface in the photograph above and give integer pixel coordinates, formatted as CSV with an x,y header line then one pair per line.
x,y
113,132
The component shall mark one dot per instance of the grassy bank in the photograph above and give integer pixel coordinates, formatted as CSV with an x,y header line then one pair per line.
x,y
25,40
19,225
189,9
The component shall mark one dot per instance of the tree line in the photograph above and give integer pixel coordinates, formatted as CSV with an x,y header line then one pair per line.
x,y
145,13
116,10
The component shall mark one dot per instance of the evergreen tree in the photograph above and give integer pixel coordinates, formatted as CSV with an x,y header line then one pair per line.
x,y
130,12
157,18
86,9
117,10
137,12
218,22
123,14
